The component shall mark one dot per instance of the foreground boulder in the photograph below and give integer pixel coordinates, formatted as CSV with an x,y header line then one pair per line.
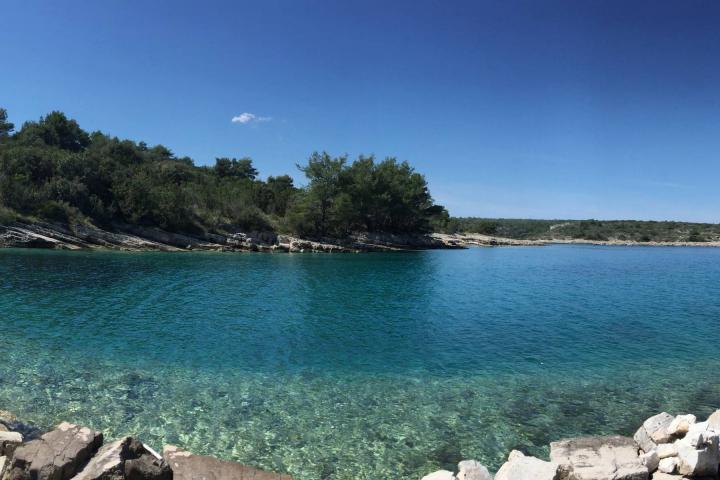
x,y
714,421
521,467
472,470
651,460
667,465
56,455
681,424
125,459
186,466
666,476
9,441
440,475
599,458
698,453
653,431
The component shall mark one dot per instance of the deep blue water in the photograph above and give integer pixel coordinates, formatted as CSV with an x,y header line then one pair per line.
x,y
360,366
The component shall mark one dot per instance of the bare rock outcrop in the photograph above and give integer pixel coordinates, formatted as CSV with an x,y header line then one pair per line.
x,y
654,431
440,475
599,458
125,459
9,441
473,470
56,455
522,467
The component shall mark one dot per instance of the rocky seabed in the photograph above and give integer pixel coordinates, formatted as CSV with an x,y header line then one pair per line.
x,y
665,447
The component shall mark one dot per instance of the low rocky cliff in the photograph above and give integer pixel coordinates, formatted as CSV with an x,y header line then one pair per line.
x,y
139,238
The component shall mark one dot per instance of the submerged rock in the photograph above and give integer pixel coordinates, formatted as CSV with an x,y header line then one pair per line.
x,y
56,455
472,470
599,458
521,467
186,466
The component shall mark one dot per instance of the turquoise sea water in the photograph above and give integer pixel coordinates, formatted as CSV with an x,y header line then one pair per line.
x,y
360,366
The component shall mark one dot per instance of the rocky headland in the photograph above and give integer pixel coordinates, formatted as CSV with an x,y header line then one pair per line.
x,y
664,447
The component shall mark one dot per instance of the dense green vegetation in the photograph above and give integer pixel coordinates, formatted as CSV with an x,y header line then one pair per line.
x,y
53,170
602,230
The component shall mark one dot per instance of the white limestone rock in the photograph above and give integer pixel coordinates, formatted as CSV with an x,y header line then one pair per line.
x,y
654,431
440,475
472,470
521,467
665,450
698,454
681,424
650,460
667,465
599,458
515,455
714,421
666,476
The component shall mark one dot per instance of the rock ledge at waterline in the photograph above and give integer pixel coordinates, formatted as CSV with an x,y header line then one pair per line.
x,y
124,237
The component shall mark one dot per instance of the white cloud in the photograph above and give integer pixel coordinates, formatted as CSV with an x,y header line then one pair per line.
x,y
247,117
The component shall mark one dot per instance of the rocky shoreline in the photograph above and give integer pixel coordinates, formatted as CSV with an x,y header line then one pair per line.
x,y
136,238
73,452
664,447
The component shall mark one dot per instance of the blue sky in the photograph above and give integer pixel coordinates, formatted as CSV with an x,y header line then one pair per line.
x,y
538,109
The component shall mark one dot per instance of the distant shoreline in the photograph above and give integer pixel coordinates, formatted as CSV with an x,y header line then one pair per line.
x,y
474,239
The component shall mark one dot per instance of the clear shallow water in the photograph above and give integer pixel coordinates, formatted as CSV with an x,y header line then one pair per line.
x,y
360,366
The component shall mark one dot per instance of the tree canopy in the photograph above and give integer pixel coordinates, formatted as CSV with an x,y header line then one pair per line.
x,y
51,169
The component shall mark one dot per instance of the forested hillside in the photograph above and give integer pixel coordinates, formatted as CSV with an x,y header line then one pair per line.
x,y
53,170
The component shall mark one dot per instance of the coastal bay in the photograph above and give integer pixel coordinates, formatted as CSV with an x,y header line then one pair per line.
x,y
364,366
